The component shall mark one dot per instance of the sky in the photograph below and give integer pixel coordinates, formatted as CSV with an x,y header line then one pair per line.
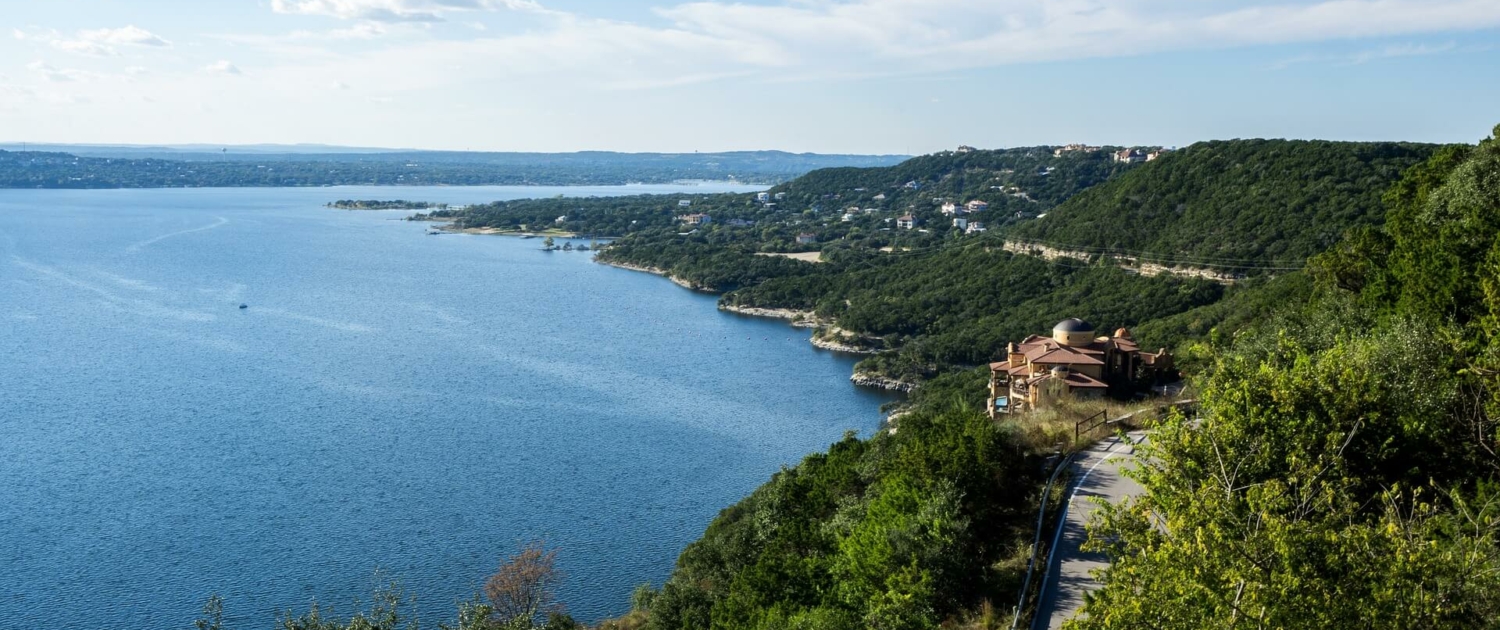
x,y
827,76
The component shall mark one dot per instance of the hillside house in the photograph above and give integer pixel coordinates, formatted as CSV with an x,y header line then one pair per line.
x,y
848,216
912,185
1155,154
1072,148
684,203
906,222
763,197
695,219
807,238
781,196
1130,156
954,209
977,206
974,227
880,197
1072,362
560,220
961,223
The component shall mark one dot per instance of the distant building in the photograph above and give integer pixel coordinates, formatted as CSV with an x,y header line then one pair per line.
x,y
763,197
1155,154
912,185
964,148
695,219
977,206
975,227
1071,148
684,203
961,223
561,219
1130,156
780,196
1072,362
906,222
807,238
954,209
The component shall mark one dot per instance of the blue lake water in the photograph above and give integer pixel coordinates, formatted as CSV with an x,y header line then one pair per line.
x,y
389,400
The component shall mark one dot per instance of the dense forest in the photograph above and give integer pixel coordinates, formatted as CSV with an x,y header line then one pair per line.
x,y
1242,204
1345,473
34,169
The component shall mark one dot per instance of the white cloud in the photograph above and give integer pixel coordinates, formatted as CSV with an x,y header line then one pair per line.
x,y
81,47
924,35
222,66
397,10
826,39
57,75
127,35
94,43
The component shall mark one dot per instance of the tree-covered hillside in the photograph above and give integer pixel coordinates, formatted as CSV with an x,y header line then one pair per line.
x,y
1238,203
901,531
1344,473
1026,181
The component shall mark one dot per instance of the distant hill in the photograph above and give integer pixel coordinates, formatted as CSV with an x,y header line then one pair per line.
x,y
1250,202
147,167
1027,181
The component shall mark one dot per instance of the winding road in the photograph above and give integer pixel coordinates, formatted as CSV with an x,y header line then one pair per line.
x,y
1096,473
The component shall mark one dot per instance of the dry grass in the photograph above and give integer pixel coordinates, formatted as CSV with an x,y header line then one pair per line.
x,y
1052,429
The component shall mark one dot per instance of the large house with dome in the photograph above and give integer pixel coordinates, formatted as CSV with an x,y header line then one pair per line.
x,y
1075,362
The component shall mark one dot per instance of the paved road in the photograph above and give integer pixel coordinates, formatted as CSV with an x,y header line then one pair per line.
x,y
1096,473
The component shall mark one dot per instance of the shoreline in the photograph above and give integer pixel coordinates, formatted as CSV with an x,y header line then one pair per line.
x,y
795,319
864,379
656,271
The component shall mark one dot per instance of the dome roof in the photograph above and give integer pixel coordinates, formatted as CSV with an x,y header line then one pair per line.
x,y
1073,325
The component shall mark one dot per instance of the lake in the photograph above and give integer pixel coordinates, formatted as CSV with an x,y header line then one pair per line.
x,y
421,405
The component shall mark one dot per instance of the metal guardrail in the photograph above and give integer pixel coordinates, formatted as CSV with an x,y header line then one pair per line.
x,y
1095,421
1036,543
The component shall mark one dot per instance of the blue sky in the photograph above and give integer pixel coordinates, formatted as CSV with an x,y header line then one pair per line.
x,y
865,76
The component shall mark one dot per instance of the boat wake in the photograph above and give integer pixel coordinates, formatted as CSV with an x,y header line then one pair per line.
x,y
148,242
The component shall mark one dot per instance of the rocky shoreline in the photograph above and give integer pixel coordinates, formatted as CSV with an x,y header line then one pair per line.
x,y
837,339
659,272
798,319
863,379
